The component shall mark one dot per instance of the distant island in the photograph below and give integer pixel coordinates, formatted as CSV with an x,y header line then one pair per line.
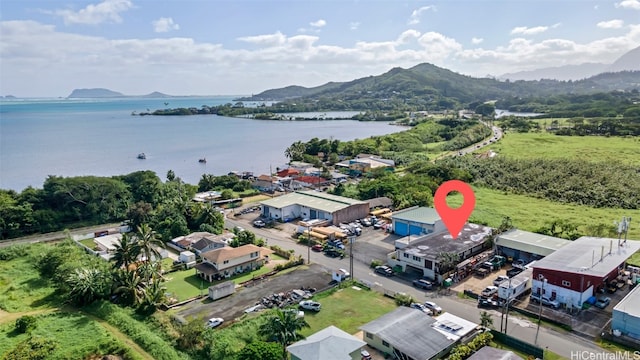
x,y
106,93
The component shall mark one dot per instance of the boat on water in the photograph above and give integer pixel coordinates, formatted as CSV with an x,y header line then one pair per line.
x,y
202,160
142,156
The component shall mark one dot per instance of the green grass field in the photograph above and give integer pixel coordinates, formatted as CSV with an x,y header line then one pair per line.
x,y
347,309
528,213
75,335
590,148
22,289
186,284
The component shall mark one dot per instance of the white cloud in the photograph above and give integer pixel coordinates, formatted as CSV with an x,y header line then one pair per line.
x,y
407,36
318,24
106,11
415,15
476,40
164,25
629,4
611,24
529,31
354,25
265,40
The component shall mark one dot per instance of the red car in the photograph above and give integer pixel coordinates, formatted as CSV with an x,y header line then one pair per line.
x,y
316,247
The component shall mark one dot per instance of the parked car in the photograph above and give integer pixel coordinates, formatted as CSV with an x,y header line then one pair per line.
x,y
337,243
259,223
365,222
299,313
500,279
518,264
421,307
433,307
423,284
545,301
214,322
487,303
384,270
316,247
365,355
489,291
602,302
379,224
513,272
310,305
332,252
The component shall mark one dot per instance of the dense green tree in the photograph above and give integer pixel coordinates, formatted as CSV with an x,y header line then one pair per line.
x,y
190,337
139,213
143,185
261,350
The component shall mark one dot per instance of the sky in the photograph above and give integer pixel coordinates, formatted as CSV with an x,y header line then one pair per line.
x,y
242,47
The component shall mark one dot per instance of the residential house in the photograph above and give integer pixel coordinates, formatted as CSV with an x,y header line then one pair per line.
x,y
581,269
287,173
264,183
207,196
328,343
207,243
408,333
491,353
186,242
228,261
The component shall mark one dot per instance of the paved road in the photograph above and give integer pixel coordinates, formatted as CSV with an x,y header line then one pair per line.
x,y
58,235
561,343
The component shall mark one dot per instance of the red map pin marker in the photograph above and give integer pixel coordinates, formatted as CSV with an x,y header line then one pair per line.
x,y
454,219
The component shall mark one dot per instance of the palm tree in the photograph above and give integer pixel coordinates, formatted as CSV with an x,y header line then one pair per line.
x,y
154,295
207,214
283,327
126,252
486,320
130,287
87,285
148,241
295,151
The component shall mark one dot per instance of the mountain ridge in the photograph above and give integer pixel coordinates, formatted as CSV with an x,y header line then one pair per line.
x,y
106,93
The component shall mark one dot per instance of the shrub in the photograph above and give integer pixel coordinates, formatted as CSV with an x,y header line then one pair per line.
x,y
14,252
33,348
375,263
403,299
25,324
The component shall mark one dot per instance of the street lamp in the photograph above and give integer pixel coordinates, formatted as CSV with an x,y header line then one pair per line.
x,y
352,239
544,281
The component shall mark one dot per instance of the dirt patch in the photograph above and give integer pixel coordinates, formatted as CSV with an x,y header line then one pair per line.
x,y
233,306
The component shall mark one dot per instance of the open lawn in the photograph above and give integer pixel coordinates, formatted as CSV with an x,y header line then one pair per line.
x,y
347,309
75,335
590,148
528,213
254,199
22,289
88,243
634,260
186,284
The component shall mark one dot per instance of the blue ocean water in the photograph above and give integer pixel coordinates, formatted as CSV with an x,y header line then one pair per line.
x,y
63,137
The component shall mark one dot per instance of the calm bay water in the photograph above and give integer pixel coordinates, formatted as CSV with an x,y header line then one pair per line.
x,y
100,137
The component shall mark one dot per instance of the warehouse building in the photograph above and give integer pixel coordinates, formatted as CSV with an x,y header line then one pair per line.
x,y
517,244
416,221
626,315
314,205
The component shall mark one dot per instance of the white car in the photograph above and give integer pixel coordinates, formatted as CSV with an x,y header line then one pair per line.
x,y
500,279
310,305
433,307
421,307
214,322
489,291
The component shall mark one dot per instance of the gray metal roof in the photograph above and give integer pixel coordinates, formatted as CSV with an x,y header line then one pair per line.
x,y
328,343
629,304
530,242
429,246
421,214
409,330
589,256
312,199
490,353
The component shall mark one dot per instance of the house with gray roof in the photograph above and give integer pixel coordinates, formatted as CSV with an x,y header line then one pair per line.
x,y
314,205
407,333
580,269
528,246
416,221
491,353
328,343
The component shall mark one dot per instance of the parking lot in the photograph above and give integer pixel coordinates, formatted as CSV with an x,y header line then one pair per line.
x,y
232,307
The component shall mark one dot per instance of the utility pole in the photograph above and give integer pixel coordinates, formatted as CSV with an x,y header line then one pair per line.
x,y
352,239
308,244
544,281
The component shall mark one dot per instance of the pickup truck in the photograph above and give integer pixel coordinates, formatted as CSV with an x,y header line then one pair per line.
x,y
545,301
